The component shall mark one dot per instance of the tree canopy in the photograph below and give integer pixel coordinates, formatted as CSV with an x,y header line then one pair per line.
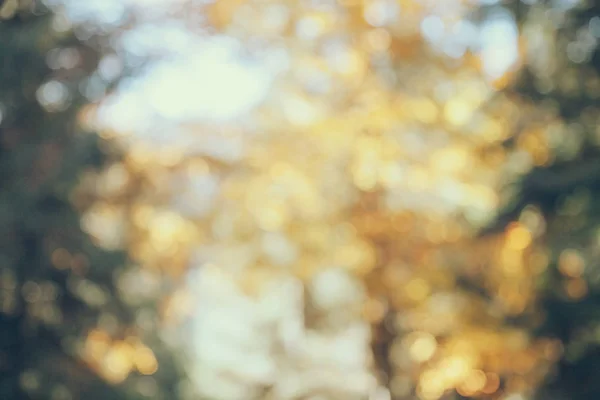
x,y
408,212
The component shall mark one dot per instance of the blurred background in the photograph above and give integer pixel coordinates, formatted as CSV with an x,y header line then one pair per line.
x,y
299,199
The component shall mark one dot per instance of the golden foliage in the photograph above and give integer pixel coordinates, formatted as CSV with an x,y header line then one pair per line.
x,y
376,153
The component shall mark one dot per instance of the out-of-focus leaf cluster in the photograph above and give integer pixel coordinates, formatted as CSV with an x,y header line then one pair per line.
x,y
66,329
360,186
379,154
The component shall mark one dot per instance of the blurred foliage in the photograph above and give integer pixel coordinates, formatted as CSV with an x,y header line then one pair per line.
x,y
384,151
393,181
561,74
65,330
373,164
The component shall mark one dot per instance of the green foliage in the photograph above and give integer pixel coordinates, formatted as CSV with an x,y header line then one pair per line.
x,y
565,188
55,283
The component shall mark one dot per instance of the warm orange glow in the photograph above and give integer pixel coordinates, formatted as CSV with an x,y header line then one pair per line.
x,y
456,368
571,263
473,383
97,345
145,361
576,288
431,387
518,237
492,383
118,362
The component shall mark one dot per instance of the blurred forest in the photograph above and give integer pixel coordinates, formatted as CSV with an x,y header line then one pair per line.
x,y
408,213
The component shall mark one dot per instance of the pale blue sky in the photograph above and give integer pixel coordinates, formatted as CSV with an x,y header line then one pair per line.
x,y
205,79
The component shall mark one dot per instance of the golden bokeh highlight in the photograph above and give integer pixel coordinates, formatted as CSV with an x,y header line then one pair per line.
x,y
115,360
